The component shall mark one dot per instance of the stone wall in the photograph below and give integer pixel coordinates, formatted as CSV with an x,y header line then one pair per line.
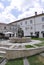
x,y
17,53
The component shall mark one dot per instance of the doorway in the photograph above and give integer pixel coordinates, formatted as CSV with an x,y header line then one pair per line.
x,y
43,34
10,35
31,34
37,34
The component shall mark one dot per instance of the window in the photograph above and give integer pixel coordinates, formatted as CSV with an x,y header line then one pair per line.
x,y
26,28
25,22
31,27
42,18
21,23
30,21
4,27
42,26
10,28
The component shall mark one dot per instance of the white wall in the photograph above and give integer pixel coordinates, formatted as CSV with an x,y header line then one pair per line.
x,y
36,25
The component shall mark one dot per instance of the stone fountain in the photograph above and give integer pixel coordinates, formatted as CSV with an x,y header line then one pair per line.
x,y
20,37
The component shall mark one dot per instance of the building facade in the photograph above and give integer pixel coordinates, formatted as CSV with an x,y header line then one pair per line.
x,y
32,26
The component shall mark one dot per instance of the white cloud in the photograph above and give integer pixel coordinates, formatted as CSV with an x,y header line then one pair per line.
x,y
7,17
27,7
36,7
42,0
3,0
1,6
21,5
17,3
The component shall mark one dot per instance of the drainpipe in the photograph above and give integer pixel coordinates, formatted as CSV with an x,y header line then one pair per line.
x,y
34,25
35,22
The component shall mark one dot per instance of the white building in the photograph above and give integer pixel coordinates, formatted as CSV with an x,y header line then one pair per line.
x,y
33,25
3,27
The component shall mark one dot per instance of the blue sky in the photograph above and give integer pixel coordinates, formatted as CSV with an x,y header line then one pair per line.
x,y
11,10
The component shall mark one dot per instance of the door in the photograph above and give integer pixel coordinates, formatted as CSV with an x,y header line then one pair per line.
x,y
37,34
43,34
10,35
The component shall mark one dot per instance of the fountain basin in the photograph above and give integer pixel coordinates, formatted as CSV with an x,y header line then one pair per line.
x,y
20,40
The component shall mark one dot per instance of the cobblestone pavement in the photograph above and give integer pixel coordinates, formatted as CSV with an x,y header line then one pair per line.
x,y
25,61
4,62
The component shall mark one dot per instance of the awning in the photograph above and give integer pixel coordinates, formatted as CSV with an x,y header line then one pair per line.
x,y
8,33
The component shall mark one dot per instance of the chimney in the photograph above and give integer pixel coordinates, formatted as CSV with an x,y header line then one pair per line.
x,y
35,13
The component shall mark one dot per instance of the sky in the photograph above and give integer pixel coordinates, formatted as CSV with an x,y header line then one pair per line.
x,y
12,10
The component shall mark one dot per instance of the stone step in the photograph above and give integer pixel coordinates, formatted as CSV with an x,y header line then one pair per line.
x,y
3,48
2,53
